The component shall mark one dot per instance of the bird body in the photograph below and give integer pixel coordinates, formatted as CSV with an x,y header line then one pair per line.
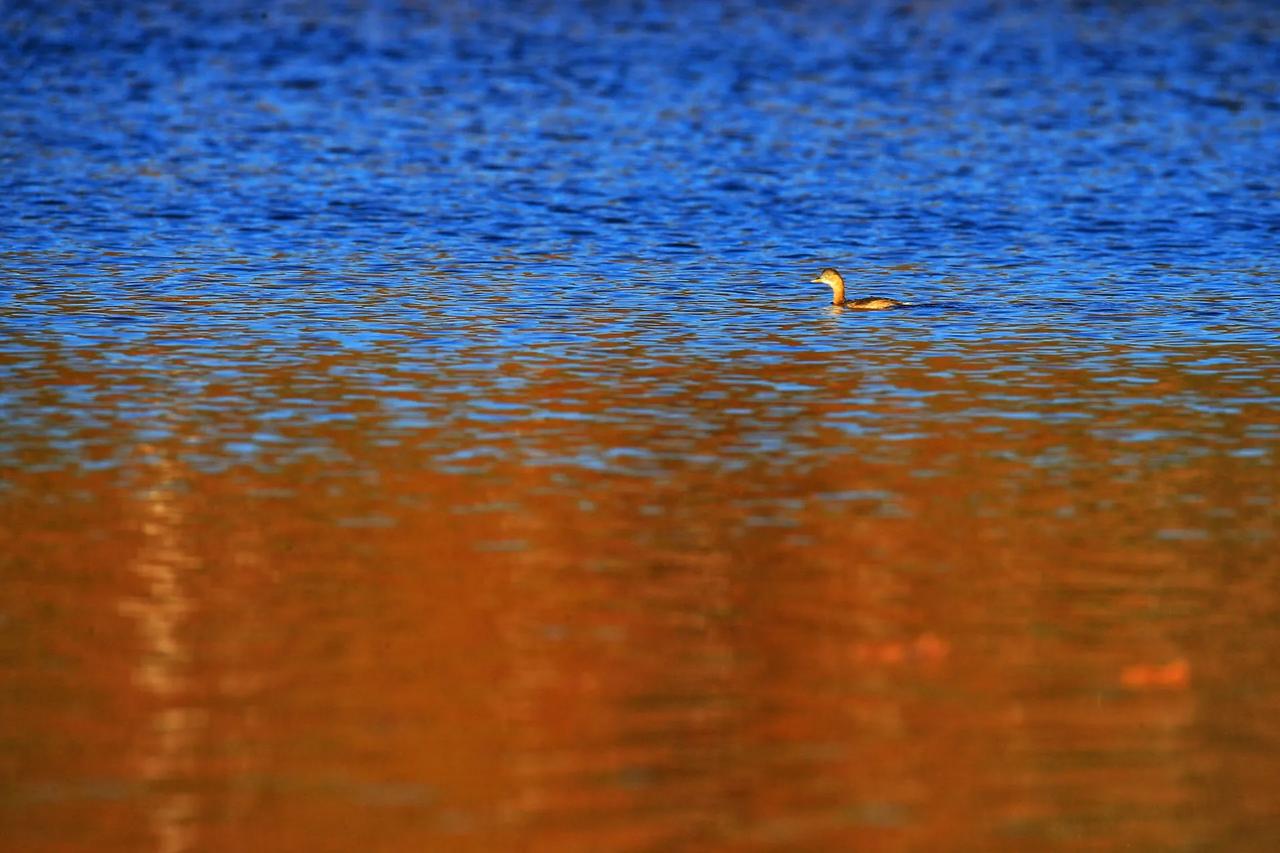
x,y
832,278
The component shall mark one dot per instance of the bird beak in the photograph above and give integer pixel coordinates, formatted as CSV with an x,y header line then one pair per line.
x,y
816,281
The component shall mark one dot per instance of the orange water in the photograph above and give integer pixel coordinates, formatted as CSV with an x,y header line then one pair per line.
x,y
738,628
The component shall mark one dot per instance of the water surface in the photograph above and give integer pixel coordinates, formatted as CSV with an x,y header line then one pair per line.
x,y
419,432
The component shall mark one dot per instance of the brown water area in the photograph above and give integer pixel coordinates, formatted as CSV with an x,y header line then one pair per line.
x,y
653,603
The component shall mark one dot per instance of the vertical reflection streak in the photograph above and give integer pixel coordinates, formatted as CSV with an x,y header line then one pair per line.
x,y
161,610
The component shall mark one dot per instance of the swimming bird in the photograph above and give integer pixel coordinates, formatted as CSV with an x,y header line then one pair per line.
x,y
832,279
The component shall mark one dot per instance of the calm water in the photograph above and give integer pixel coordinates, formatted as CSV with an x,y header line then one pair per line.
x,y
418,431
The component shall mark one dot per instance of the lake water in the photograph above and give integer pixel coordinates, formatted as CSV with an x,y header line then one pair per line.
x,y
418,430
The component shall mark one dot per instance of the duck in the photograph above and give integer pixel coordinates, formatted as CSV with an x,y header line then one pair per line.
x,y
832,279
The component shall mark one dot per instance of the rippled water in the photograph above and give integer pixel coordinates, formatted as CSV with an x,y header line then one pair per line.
x,y
419,431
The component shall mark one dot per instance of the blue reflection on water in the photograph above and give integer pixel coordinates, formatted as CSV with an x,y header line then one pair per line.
x,y
238,186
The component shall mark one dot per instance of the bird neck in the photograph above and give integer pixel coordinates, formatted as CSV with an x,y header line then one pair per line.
x,y
837,294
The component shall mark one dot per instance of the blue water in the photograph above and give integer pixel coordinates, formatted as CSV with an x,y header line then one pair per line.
x,y
1097,153
485,182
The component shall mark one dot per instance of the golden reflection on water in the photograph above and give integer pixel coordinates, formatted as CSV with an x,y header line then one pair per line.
x,y
681,607
161,609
